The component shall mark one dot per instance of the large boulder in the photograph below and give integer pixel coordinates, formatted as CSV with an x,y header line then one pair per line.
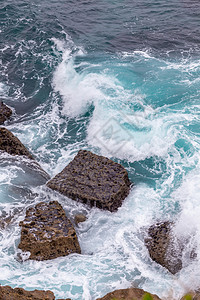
x,y
47,233
129,294
8,293
5,112
93,179
11,144
163,246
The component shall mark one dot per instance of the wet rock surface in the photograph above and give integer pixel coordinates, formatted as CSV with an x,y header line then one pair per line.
x,y
128,294
5,221
79,218
163,248
5,112
47,233
93,179
11,144
8,293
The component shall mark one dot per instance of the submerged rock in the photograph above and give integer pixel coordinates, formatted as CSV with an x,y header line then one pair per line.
x,y
47,233
163,248
128,294
5,221
11,144
79,218
5,112
93,179
8,293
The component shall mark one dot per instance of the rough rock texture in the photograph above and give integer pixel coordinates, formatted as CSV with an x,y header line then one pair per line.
x,y
6,218
93,179
11,144
5,221
47,233
79,218
5,112
127,294
8,293
163,248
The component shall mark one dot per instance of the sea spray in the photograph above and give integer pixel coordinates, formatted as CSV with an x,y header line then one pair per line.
x,y
73,72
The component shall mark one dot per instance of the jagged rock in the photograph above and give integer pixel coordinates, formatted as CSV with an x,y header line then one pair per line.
x,y
47,233
5,112
163,248
79,218
8,293
93,179
128,294
11,144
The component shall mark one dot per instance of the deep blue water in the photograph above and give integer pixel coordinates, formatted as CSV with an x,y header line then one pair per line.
x,y
122,79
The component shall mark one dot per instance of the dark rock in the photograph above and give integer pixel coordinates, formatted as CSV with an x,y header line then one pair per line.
x,y
8,293
79,218
5,113
163,247
93,179
11,144
5,221
128,294
47,233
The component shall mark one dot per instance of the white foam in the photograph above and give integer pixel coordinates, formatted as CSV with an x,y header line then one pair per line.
x,y
78,92
135,135
3,89
186,65
187,228
137,53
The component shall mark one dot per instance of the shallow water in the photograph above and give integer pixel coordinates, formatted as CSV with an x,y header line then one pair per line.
x,y
121,79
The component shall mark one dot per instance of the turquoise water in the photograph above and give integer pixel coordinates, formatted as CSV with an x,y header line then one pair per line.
x,y
121,79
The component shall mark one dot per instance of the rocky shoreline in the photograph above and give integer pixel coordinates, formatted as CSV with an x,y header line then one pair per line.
x,y
47,233
8,293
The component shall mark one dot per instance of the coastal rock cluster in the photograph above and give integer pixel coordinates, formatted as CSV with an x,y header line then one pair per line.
x,y
8,293
47,233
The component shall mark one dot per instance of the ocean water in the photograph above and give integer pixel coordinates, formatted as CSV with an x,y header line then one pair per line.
x,y
122,79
